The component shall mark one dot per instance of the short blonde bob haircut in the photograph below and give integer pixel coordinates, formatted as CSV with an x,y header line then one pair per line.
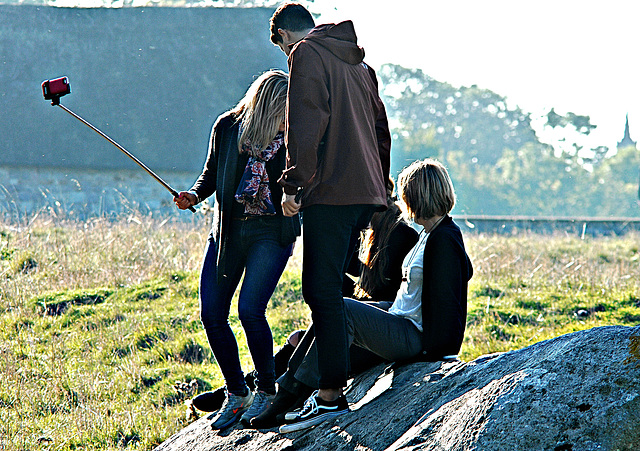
x,y
426,189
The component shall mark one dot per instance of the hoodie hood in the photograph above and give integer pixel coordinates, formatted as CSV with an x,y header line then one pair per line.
x,y
340,39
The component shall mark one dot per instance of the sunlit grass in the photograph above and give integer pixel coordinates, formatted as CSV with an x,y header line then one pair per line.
x,y
100,336
101,341
531,288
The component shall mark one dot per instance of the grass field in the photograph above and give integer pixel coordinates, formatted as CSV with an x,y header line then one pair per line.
x,y
101,343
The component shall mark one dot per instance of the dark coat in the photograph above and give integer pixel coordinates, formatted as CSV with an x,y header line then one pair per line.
x,y
338,139
219,175
446,273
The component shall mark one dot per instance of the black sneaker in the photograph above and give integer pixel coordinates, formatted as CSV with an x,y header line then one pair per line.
x,y
210,401
315,411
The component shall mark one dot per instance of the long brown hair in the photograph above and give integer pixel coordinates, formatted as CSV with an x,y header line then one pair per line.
x,y
374,251
262,110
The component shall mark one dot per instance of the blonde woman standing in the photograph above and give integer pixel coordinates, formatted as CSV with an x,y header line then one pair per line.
x,y
250,236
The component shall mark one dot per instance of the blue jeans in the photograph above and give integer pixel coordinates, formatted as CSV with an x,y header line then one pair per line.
x,y
330,235
253,249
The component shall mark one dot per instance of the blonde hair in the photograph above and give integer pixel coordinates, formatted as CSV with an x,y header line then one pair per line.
x,y
262,110
426,189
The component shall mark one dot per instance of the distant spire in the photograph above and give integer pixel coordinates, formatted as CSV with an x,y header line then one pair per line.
x,y
627,141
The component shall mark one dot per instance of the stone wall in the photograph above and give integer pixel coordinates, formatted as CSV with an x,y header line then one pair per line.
x,y
514,225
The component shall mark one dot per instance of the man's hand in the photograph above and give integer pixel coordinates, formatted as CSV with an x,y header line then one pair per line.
x,y
289,205
185,200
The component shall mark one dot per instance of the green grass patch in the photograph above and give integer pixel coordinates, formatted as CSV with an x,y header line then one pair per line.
x,y
58,303
527,289
101,341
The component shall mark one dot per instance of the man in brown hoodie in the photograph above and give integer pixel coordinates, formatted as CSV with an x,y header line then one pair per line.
x,y
338,145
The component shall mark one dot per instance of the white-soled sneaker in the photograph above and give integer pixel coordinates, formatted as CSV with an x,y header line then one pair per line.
x,y
315,411
261,400
232,408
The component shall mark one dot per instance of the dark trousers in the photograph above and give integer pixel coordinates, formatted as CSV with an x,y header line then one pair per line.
x,y
329,238
374,334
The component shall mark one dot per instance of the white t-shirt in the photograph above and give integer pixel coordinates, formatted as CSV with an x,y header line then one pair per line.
x,y
408,303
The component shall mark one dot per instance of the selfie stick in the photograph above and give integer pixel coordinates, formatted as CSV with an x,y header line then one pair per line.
x,y
55,100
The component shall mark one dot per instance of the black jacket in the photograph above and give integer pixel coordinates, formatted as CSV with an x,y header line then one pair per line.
x,y
219,175
446,273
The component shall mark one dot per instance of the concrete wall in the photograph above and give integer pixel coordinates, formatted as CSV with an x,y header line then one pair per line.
x,y
153,79
513,225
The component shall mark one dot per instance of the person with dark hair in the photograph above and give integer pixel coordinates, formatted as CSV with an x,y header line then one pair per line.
x,y
428,316
338,145
377,264
291,17
250,236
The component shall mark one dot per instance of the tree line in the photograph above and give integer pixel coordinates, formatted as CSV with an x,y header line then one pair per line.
x,y
138,72
499,164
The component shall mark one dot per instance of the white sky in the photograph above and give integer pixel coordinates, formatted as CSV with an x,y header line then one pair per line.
x,y
580,56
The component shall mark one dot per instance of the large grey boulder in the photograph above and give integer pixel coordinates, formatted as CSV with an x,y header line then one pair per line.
x,y
580,391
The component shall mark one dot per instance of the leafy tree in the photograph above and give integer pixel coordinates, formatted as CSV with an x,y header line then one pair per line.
x,y
498,164
615,183
579,123
534,181
469,119
409,147
527,181
568,134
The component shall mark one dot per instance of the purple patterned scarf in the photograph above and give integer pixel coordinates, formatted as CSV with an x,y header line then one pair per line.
x,y
253,190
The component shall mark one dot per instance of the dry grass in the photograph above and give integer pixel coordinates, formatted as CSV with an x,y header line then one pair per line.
x,y
100,339
530,288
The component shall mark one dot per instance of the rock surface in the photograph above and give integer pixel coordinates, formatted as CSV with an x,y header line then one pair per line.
x,y
580,391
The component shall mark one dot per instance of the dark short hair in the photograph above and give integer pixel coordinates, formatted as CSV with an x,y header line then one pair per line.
x,y
291,17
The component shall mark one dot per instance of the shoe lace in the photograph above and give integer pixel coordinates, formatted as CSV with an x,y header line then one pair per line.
x,y
261,397
310,405
226,402
259,401
230,402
